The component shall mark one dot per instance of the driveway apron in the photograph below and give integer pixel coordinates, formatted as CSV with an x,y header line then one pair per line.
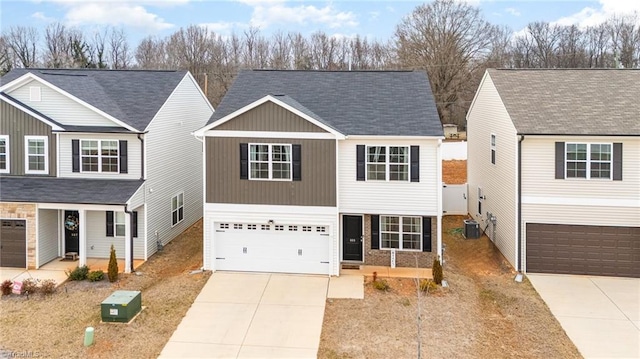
x,y
601,315
252,315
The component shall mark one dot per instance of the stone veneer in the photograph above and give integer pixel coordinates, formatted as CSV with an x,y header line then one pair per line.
x,y
382,257
23,211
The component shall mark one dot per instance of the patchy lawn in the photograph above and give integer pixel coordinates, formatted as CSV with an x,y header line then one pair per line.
x,y
483,313
454,172
53,326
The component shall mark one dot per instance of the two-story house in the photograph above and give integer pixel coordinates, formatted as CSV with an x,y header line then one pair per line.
x,y
305,170
554,168
94,158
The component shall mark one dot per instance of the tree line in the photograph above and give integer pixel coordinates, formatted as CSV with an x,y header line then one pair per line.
x,y
452,41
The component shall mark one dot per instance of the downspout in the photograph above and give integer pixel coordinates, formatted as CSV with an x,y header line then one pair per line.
x,y
519,269
130,213
141,156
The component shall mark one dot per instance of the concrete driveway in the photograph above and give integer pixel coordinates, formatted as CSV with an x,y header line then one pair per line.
x,y
242,315
601,315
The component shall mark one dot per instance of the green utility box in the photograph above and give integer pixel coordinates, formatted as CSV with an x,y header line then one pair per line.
x,y
121,306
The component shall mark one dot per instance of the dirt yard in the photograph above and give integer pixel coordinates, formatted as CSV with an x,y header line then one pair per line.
x,y
482,314
454,171
53,326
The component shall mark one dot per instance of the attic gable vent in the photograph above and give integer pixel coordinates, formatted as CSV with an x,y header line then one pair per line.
x,y
35,93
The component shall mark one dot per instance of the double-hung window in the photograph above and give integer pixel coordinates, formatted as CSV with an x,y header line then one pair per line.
x,y
493,149
99,156
270,162
4,154
387,163
397,232
119,224
588,160
37,154
177,209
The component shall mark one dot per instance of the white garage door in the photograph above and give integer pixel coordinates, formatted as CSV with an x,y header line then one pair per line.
x,y
272,248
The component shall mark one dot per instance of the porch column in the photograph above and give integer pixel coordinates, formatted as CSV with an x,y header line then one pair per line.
x,y
127,243
82,233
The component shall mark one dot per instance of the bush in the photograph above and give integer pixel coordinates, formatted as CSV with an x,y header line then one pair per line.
x,y
80,273
427,285
48,286
381,285
7,286
112,271
30,286
95,276
437,271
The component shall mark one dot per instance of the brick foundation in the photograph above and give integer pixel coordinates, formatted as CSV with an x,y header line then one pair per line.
x,y
25,211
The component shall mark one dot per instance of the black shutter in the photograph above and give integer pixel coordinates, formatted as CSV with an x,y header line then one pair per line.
x,y
75,155
134,219
124,164
617,161
415,163
244,161
296,157
559,160
360,165
109,223
426,234
375,232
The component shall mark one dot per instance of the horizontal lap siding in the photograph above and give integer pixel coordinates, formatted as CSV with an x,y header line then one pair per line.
x,y
48,232
99,245
317,187
269,117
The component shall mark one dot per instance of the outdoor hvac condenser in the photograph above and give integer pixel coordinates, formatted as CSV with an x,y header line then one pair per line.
x,y
121,306
471,229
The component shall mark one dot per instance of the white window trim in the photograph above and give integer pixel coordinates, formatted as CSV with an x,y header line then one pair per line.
x,y
7,154
492,145
26,154
99,155
116,224
400,232
387,167
270,162
588,161
35,93
177,196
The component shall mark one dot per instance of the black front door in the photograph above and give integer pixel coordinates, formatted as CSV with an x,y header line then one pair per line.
x,y
71,231
352,238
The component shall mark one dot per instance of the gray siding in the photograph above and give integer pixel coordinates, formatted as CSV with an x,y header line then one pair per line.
x,y
269,117
99,245
48,232
17,124
317,187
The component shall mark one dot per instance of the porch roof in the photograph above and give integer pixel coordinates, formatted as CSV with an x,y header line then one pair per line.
x,y
67,190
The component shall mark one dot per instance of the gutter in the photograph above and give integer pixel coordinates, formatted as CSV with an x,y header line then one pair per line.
x,y
519,268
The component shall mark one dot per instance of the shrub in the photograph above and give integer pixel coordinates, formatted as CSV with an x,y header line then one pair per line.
x,y
7,286
95,276
29,286
427,285
48,286
437,271
112,271
80,273
381,285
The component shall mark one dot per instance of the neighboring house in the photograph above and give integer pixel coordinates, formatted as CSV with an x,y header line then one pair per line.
x,y
91,158
554,168
305,170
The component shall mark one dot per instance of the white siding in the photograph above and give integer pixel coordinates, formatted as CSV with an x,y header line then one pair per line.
x,y
59,107
99,245
389,197
48,232
174,162
498,182
134,152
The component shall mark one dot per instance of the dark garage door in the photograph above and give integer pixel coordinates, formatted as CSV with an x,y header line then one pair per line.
x,y
13,243
594,250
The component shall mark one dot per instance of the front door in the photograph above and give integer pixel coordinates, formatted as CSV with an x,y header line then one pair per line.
x,y
71,231
352,238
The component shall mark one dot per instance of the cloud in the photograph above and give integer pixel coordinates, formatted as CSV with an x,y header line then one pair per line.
x,y
223,27
41,16
590,16
277,12
512,11
373,15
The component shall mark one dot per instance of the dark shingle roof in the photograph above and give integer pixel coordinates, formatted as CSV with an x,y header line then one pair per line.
x,y
571,102
67,190
392,103
131,96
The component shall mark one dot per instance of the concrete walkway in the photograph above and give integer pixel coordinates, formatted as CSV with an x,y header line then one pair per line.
x,y
601,315
252,315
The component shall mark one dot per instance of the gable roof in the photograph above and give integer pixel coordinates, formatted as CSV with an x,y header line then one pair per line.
x,y
131,96
571,101
379,103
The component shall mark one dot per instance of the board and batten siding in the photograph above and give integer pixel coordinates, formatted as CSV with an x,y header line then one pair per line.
x,y
134,155
174,162
317,186
99,245
48,232
269,117
498,181
59,107
389,197
16,124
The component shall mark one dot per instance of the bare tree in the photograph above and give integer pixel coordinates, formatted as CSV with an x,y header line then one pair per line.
x,y
6,62
119,54
23,42
280,51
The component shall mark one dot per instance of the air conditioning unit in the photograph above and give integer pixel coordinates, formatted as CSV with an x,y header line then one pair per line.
x,y
471,229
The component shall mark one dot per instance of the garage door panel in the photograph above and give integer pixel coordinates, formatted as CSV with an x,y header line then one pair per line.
x,y
572,249
13,243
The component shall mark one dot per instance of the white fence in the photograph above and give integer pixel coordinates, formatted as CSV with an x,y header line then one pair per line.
x,y
454,199
454,150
